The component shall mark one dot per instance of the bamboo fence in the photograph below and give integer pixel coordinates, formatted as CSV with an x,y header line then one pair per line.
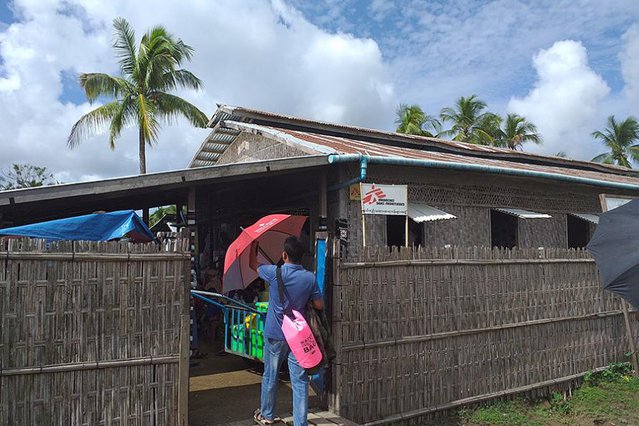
x,y
423,329
93,333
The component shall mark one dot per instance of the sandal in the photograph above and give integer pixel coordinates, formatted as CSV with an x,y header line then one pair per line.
x,y
260,420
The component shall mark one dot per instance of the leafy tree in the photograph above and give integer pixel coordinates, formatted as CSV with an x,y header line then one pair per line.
x,y
160,212
412,120
148,72
517,131
619,137
466,117
488,130
25,176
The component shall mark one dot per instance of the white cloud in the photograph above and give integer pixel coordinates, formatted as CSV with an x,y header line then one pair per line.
x,y
251,53
629,58
565,101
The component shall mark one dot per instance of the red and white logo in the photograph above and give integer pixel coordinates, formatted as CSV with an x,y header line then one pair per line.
x,y
373,196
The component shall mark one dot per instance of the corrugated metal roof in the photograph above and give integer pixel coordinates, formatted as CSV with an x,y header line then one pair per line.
x,y
589,217
324,144
227,113
424,213
316,137
524,214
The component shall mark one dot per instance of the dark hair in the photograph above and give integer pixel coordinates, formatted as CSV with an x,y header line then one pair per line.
x,y
294,249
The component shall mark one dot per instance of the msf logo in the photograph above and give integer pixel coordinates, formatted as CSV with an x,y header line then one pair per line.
x,y
373,196
265,225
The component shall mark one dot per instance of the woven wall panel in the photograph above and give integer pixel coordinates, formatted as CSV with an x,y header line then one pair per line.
x,y
102,320
416,329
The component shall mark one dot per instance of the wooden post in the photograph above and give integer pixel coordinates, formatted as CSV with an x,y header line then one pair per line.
x,y
183,371
407,243
145,215
323,202
631,340
363,219
190,220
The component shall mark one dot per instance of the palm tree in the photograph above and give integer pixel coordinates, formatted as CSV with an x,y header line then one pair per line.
x,y
412,120
465,117
619,138
488,130
148,72
516,132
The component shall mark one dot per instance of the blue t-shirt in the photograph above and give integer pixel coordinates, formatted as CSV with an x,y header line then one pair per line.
x,y
300,287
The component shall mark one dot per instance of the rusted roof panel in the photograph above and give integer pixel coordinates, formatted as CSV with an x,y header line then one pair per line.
x,y
226,114
339,145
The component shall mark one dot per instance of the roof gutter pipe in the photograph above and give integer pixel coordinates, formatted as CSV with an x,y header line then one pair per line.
x,y
364,160
363,166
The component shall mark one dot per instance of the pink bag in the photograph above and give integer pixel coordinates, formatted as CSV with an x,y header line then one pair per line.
x,y
298,334
300,339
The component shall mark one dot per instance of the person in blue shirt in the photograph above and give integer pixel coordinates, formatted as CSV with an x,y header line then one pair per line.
x,y
301,287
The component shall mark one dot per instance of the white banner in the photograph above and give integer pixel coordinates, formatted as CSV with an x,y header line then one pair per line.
x,y
384,199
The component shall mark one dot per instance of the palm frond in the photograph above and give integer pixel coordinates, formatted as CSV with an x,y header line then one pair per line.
x,y
92,122
99,84
147,118
448,114
124,45
607,140
171,107
634,152
605,158
121,119
179,79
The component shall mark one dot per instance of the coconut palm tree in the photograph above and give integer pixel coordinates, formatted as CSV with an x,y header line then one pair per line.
x,y
412,120
488,130
148,72
619,138
465,117
516,132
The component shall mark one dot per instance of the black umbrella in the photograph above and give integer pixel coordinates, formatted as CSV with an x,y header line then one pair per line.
x,y
615,248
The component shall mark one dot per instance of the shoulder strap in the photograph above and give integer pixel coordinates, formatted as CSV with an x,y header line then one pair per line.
x,y
282,291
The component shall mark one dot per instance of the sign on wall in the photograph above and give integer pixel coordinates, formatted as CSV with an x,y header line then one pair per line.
x,y
384,199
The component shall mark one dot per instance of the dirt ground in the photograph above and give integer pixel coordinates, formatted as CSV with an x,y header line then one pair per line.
x,y
226,389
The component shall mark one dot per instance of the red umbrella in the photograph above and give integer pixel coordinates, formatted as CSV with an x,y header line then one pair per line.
x,y
270,232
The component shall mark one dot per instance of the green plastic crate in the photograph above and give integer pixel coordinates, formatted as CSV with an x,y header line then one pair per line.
x,y
247,338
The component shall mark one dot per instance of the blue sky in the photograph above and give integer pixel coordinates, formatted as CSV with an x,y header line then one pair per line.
x,y
565,65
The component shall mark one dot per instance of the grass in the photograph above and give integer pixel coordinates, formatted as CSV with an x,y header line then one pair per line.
x,y
606,398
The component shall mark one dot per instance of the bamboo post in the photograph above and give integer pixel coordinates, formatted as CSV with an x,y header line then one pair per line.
x,y
183,371
407,231
363,217
323,202
631,341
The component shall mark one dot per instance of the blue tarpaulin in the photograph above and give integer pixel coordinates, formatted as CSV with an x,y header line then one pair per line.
x,y
90,227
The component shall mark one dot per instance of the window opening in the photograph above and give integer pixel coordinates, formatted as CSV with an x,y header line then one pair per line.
x,y
578,232
395,231
503,229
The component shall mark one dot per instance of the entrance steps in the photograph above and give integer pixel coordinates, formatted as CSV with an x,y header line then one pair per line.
x,y
315,418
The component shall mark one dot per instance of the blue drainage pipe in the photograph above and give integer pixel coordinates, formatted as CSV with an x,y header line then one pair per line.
x,y
364,160
363,166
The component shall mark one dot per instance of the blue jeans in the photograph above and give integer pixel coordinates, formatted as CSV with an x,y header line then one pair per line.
x,y
274,353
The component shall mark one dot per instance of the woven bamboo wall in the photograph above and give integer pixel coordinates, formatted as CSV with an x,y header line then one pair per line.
x,y
93,333
425,329
470,197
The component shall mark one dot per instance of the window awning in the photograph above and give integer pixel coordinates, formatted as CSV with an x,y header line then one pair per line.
x,y
589,217
524,214
424,213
